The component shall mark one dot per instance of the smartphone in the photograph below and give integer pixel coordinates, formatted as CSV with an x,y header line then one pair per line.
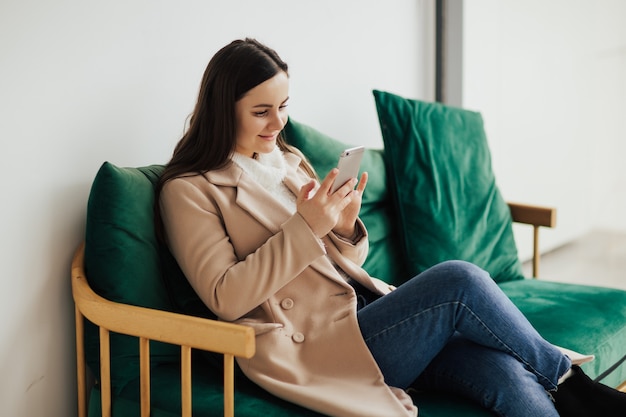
x,y
348,165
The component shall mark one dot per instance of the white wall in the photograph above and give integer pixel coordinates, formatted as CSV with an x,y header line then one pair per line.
x,y
549,79
82,82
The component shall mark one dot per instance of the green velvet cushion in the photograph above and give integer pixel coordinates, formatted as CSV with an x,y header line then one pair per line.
x,y
120,237
122,262
384,260
584,318
207,396
446,200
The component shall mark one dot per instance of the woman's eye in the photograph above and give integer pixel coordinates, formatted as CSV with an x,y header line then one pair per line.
x,y
264,113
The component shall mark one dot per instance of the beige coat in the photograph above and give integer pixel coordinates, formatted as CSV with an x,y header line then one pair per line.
x,y
252,262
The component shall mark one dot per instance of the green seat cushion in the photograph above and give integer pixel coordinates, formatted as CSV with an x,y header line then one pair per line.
x,y
384,260
587,319
250,401
207,399
207,396
447,204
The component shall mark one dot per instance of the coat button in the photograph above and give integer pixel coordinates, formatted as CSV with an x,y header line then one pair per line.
x,y
287,304
298,337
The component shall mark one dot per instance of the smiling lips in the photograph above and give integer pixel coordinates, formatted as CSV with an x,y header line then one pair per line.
x,y
268,137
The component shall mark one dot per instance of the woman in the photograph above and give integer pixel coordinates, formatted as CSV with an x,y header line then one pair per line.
x,y
265,244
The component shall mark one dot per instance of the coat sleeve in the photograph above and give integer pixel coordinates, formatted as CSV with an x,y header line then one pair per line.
x,y
198,239
355,251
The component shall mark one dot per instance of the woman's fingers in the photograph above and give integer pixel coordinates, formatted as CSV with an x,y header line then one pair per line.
x,y
305,191
323,211
326,185
362,182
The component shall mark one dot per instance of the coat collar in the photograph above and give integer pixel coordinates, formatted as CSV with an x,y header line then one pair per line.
x,y
256,200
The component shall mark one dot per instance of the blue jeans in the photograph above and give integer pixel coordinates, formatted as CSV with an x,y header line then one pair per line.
x,y
451,328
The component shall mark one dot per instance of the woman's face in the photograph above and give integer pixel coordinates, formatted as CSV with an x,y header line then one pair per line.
x,y
261,114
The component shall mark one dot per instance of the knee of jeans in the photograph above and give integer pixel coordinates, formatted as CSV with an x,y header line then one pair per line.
x,y
465,272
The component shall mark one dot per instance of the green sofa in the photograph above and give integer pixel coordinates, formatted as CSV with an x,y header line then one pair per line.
x,y
431,196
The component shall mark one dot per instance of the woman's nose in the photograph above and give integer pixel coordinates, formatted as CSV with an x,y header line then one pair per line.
x,y
277,122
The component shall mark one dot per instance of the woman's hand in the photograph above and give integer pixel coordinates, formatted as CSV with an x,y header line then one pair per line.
x,y
346,225
338,211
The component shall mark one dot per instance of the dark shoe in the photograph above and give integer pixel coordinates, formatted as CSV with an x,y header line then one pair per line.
x,y
580,396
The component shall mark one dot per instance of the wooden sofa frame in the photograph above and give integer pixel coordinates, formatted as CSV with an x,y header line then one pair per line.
x,y
149,324
191,332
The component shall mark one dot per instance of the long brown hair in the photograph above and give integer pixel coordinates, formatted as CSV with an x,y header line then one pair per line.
x,y
210,140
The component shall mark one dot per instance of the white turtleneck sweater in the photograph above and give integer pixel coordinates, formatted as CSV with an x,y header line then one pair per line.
x,y
269,170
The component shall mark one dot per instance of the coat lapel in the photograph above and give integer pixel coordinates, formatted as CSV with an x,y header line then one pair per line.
x,y
260,204
295,179
255,199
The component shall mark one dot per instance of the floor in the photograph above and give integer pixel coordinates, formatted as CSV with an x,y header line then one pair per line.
x,y
598,258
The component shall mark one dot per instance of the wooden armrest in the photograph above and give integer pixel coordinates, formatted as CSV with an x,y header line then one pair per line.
x,y
150,324
537,216
164,326
533,215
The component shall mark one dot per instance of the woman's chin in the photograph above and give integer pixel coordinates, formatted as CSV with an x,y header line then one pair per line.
x,y
267,147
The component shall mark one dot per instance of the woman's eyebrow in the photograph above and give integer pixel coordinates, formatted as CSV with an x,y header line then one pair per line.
x,y
269,105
